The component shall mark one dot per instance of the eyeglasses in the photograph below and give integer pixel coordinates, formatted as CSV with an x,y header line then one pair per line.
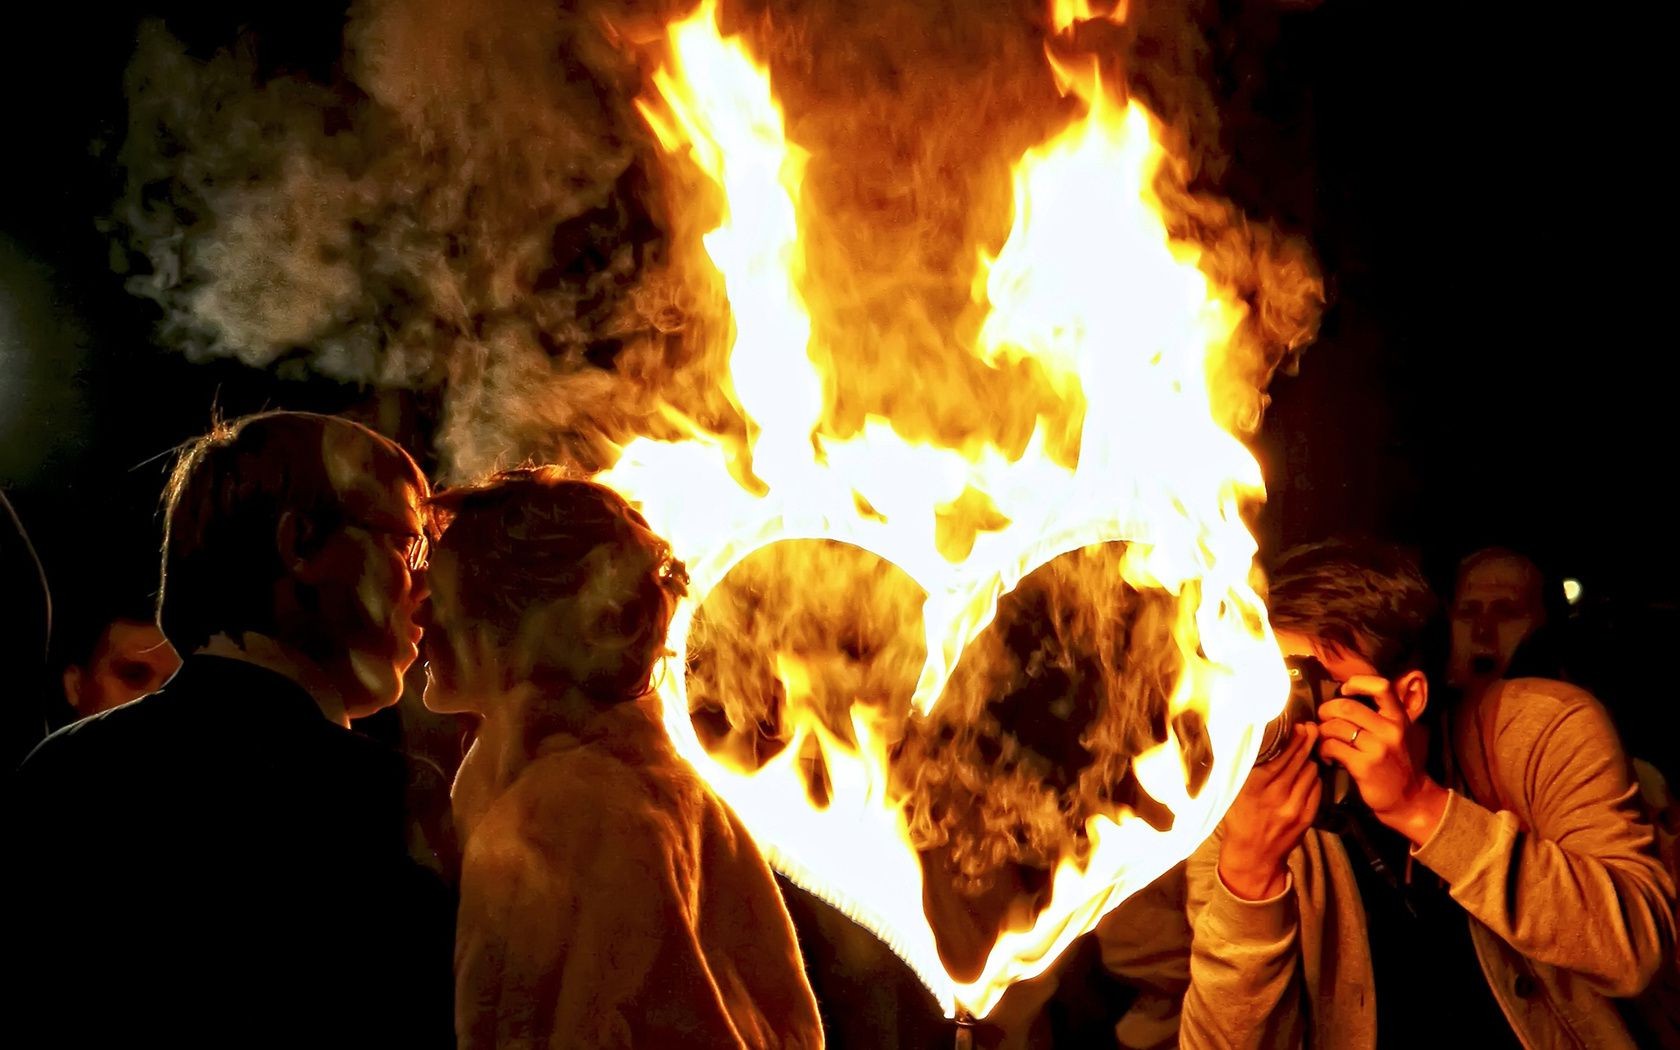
x,y
417,550
416,546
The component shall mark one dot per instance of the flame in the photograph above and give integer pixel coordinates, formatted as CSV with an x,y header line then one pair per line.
x,y
1089,291
734,130
1065,14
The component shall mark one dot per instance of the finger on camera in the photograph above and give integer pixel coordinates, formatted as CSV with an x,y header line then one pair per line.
x,y
1347,756
1354,712
1380,690
1343,731
1300,741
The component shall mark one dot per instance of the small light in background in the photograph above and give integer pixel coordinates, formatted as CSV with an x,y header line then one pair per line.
x,y
1572,591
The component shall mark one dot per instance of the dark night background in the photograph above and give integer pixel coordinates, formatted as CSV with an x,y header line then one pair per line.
x,y
1482,190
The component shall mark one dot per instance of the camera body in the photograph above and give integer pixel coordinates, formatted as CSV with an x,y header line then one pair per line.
x,y
1311,684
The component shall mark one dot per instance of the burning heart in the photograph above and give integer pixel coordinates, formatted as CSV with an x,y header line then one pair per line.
x,y
973,693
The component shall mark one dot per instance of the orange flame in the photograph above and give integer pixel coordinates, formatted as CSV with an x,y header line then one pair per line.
x,y
1125,327
1065,14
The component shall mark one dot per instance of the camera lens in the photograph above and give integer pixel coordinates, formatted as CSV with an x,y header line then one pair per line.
x,y
1305,677
1275,737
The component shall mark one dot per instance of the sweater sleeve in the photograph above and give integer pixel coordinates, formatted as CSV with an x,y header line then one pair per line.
x,y
1245,988
1582,888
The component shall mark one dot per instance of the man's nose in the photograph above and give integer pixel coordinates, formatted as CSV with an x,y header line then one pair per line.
x,y
1485,630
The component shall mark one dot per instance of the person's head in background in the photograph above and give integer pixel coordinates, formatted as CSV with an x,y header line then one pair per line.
x,y
1502,600
114,660
299,542
106,647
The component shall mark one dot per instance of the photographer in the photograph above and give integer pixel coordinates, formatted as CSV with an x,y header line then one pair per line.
x,y
1487,881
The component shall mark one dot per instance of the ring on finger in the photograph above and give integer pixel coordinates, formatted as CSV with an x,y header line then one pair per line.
x,y
1355,737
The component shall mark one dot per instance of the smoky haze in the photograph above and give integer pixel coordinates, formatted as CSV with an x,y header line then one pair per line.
x,y
467,203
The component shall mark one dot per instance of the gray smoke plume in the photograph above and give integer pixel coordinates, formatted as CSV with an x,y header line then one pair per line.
x,y
475,207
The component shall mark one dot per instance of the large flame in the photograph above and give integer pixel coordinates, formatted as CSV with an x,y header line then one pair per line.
x,y
1125,328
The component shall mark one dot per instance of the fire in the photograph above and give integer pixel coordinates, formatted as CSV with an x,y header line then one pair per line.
x,y
734,129
1065,14
1127,331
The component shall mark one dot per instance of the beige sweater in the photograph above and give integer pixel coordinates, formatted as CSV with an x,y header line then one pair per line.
x,y
1547,851
610,900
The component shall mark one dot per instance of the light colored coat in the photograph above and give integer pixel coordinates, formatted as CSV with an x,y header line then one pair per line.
x,y
1543,843
610,900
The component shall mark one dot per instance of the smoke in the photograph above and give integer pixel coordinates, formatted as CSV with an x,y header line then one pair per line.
x,y
842,623
460,212
1042,717
474,206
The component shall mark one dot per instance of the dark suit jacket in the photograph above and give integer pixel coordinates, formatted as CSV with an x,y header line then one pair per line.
x,y
219,865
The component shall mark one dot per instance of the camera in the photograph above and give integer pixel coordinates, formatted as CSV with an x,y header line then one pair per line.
x,y
1310,684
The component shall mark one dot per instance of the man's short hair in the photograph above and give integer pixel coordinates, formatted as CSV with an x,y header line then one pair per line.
x,y
1362,596
222,507
537,550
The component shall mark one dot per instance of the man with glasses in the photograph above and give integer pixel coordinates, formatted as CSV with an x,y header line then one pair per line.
x,y
225,862
1492,884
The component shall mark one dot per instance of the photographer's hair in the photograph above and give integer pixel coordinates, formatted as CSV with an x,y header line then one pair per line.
x,y
1363,596
222,509
563,573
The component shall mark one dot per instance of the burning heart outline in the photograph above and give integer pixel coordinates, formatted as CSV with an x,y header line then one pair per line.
x,y
805,857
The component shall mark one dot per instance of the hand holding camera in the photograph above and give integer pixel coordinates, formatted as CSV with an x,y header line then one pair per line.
x,y
1370,741
1363,731
1275,808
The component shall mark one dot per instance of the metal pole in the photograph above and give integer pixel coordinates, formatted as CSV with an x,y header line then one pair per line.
x,y
965,1030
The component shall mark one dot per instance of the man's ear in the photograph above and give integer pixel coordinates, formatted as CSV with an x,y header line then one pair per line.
x,y
1412,690
298,540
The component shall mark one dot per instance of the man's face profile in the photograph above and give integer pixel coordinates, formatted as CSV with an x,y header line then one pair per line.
x,y
369,584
